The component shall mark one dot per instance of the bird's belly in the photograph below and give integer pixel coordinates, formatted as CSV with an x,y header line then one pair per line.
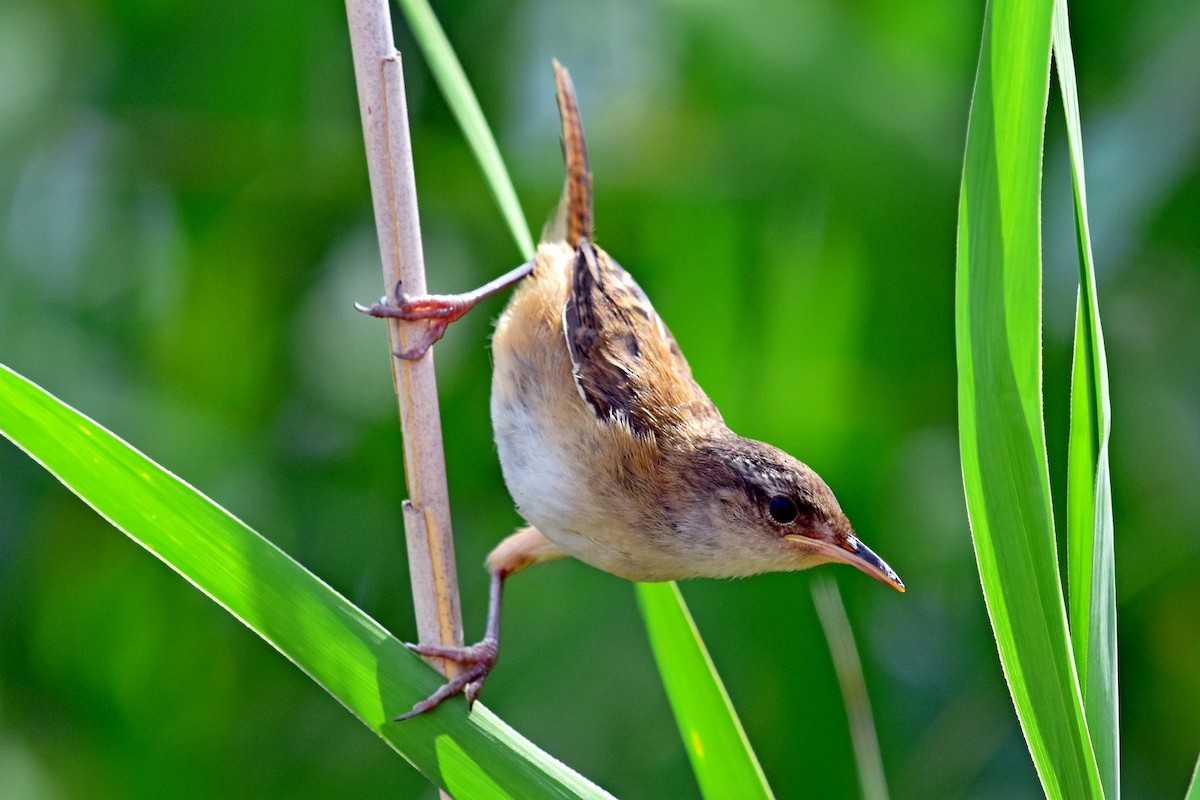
x,y
543,456
548,485
548,443
558,489
532,390
567,472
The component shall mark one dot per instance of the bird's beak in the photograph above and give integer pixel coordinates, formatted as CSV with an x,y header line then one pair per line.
x,y
847,549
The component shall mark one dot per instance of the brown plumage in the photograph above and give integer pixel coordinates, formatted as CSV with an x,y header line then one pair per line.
x,y
575,221
611,450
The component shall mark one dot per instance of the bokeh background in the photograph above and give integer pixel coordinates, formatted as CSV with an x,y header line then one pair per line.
x,y
185,222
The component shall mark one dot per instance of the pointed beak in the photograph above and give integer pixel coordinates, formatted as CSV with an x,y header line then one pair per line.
x,y
848,549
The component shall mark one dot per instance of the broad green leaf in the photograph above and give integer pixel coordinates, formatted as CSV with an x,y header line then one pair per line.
x,y
704,703
1001,432
346,652
1193,792
448,72
1091,584
722,760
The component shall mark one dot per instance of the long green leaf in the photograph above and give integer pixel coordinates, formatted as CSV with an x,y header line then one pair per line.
x,y
346,652
836,625
1193,791
1090,562
448,72
701,705
1002,439
722,760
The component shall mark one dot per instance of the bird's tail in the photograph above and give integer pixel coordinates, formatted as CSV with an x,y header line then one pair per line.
x,y
573,222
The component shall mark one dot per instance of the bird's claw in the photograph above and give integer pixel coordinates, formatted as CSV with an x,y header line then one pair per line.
x,y
435,310
471,693
431,335
484,651
414,307
477,661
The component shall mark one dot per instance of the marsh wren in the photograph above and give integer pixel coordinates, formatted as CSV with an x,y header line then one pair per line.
x,y
611,450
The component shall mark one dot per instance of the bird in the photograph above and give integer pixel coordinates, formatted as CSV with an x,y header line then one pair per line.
x,y
611,450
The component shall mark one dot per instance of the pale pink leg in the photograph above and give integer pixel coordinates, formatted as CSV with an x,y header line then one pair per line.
x,y
517,551
438,310
476,660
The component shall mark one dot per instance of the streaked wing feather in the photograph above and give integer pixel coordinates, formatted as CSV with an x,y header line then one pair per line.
x,y
626,363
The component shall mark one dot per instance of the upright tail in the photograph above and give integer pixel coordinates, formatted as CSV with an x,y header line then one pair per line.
x,y
573,222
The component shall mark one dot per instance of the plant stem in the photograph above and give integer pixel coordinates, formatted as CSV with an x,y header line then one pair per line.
x,y
832,613
380,79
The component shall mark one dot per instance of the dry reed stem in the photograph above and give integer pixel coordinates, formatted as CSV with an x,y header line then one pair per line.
x,y
379,76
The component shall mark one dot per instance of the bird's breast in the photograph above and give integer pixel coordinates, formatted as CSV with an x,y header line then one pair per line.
x,y
569,474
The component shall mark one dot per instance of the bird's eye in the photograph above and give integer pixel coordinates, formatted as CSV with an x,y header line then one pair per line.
x,y
782,509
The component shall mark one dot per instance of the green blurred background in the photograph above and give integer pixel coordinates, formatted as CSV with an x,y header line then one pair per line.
x,y
185,222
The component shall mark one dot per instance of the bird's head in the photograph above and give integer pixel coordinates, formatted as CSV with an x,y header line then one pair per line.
x,y
770,512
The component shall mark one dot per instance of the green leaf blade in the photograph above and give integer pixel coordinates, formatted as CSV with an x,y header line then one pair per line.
x,y
452,80
712,734
1002,439
346,652
832,614
1090,559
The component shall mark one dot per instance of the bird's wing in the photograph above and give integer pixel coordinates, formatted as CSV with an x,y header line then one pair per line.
x,y
627,365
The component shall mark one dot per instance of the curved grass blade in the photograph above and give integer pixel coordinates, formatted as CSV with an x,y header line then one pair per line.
x,y
1091,593
836,625
448,72
668,623
1001,432
722,760
346,652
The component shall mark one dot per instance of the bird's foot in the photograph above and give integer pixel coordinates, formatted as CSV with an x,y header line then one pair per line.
x,y
476,661
437,311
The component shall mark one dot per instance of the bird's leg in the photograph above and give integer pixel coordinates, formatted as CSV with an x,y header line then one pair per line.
x,y
526,546
437,311
476,660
